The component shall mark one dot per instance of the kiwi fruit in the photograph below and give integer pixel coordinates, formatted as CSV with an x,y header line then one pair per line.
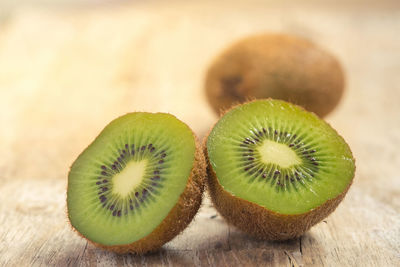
x,y
276,66
138,184
275,169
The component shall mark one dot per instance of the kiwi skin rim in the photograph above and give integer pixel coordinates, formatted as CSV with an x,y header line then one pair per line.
x,y
258,221
177,219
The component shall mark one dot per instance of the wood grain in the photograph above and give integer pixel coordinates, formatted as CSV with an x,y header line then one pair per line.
x,y
65,73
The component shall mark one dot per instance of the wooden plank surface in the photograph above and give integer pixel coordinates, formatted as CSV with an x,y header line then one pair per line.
x,y
65,73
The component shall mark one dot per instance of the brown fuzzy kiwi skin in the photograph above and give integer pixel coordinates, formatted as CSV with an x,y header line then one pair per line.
x,y
177,219
279,66
260,222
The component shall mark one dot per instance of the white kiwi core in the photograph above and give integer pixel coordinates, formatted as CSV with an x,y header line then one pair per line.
x,y
279,154
130,177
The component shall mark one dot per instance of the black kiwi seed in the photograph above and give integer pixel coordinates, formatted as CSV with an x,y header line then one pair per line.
x,y
292,140
126,154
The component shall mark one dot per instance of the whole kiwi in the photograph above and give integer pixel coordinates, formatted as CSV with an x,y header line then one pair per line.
x,y
276,66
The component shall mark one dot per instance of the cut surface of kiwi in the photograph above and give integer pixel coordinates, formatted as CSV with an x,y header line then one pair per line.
x,y
132,179
275,158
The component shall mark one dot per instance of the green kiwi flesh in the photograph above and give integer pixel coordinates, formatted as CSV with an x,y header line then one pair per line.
x,y
126,183
281,159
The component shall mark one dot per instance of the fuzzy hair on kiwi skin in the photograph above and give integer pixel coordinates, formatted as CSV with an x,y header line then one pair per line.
x,y
257,221
177,219
280,66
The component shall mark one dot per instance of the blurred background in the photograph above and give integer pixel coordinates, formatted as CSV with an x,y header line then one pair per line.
x,y
68,67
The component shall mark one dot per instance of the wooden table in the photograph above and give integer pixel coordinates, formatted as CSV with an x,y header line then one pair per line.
x,y
65,73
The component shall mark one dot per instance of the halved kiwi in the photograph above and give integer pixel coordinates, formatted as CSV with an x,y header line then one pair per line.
x,y
275,169
138,184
